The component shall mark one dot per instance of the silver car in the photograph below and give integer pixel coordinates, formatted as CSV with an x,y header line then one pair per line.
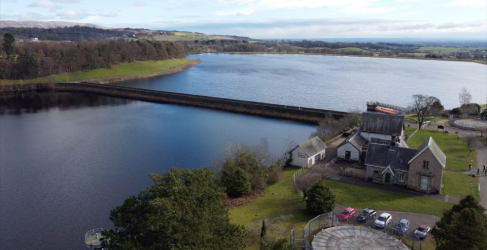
x,y
383,220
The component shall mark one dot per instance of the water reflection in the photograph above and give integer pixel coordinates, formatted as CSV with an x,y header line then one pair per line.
x,y
32,101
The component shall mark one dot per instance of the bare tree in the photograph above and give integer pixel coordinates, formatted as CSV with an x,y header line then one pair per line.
x,y
483,130
464,97
469,140
327,129
456,133
421,106
305,181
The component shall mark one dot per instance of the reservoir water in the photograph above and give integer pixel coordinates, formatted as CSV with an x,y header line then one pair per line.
x,y
328,82
67,159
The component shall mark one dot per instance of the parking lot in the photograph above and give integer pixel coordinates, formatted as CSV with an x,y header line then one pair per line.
x,y
415,220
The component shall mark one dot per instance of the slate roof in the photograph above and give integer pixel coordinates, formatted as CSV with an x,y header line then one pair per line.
x,y
356,140
382,123
382,156
312,146
434,148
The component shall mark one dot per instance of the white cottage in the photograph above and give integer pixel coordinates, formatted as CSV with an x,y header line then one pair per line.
x,y
351,148
383,127
308,153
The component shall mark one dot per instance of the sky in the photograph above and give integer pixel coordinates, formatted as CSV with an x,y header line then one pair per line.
x,y
272,19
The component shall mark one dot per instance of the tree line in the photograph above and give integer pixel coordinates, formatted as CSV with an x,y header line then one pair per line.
x,y
27,60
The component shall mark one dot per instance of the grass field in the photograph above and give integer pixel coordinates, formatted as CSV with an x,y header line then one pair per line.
x,y
186,36
121,70
361,197
410,118
408,131
459,184
281,199
447,49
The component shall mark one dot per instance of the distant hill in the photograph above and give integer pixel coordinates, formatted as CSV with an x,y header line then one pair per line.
x,y
45,25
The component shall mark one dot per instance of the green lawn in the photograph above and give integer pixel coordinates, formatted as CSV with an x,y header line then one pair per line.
x,y
455,149
121,70
410,118
408,131
281,199
361,197
459,184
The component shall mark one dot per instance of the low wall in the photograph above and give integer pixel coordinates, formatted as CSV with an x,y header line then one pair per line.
x,y
307,115
452,123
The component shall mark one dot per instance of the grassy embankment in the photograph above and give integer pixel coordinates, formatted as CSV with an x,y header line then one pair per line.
x,y
447,50
281,199
119,72
410,118
457,158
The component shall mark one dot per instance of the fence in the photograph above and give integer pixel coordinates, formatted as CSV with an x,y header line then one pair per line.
x,y
304,237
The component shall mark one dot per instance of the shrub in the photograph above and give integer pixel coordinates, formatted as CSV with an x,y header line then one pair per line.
x,y
456,111
320,199
238,183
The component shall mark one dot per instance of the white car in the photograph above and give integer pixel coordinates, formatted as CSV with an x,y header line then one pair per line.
x,y
383,220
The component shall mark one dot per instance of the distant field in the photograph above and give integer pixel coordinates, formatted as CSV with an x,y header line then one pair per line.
x,y
447,49
186,36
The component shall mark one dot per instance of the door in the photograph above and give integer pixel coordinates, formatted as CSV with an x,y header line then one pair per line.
x,y
310,163
347,155
388,178
424,182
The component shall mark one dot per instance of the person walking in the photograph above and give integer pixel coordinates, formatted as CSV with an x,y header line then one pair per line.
x,y
478,171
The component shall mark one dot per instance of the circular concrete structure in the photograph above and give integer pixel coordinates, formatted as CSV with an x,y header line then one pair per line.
x,y
355,238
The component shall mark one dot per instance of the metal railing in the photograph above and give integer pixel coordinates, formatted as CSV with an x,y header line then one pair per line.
x,y
304,237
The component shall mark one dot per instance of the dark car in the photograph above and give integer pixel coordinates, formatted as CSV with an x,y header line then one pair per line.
x,y
402,227
367,214
347,214
421,232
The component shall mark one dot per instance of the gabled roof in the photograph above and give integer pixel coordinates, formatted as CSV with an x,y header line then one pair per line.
x,y
382,123
356,140
382,156
312,146
435,150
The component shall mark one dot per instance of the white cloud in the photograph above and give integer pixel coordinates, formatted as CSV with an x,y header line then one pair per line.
x,y
469,3
244,13
140,4
72,15
66,1
250,6
44,4
113,14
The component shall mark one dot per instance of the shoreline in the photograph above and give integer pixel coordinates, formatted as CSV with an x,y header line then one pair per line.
x,y
103,79
320,54
169,71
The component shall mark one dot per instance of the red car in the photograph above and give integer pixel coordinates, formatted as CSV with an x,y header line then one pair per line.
x,y
347,214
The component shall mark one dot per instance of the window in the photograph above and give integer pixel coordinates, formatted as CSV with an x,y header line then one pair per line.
x,y
400,178
301,155
426,164
376,173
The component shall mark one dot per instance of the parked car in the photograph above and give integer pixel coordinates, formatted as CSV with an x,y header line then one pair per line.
x,y
402,227
347,213
421,232
383,220
366,215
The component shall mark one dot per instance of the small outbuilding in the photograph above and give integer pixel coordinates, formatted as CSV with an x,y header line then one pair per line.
x,y
308,153
351,148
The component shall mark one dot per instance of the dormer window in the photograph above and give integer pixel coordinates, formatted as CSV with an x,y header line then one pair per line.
x,y
426,164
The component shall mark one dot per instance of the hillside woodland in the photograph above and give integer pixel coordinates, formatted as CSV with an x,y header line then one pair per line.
x,y
27,60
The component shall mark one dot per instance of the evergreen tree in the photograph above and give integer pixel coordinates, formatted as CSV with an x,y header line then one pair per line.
x,y
238,184
27,66
182,210
7,46
464,226
320,199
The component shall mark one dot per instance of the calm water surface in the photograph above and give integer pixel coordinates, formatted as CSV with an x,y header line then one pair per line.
x,y
328,82
67,160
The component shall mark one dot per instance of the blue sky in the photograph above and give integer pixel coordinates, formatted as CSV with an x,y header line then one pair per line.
x,y
465,19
